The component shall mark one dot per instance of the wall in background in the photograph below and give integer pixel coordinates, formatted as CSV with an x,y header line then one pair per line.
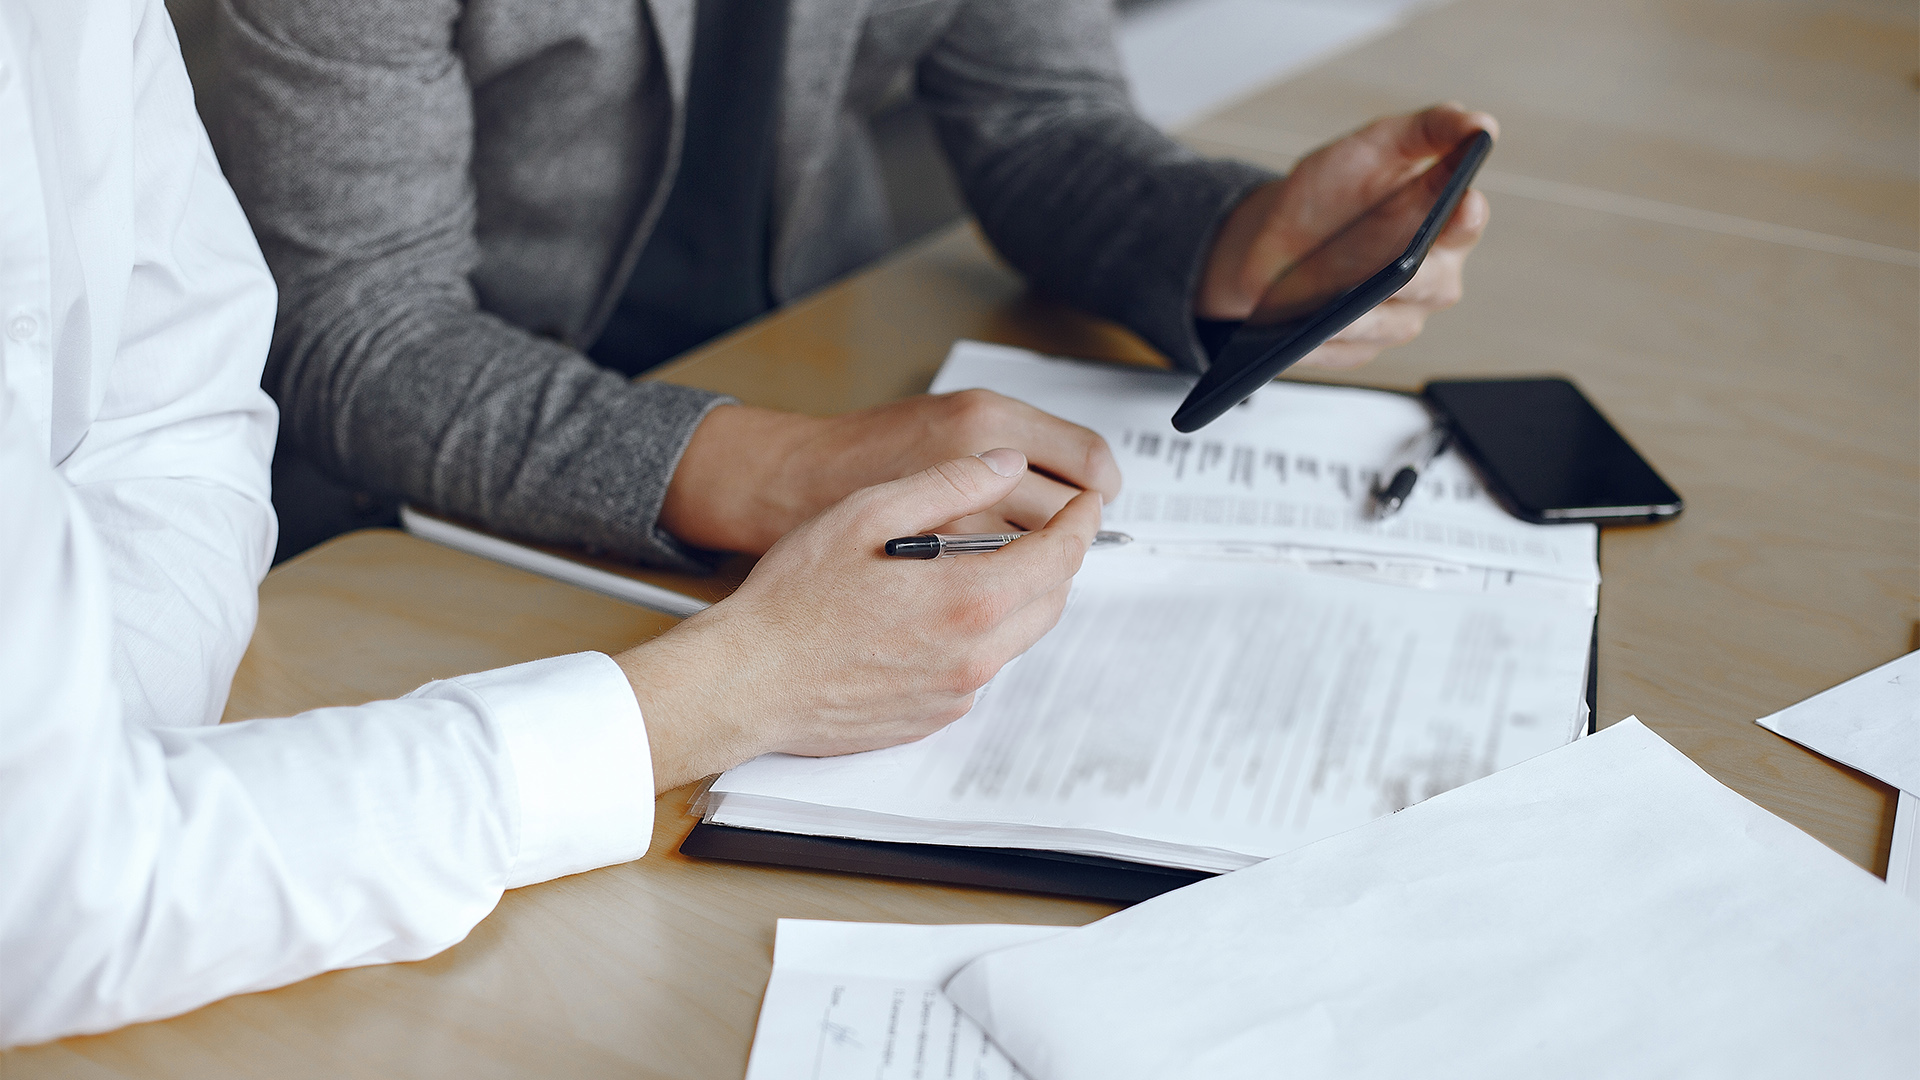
x,y
1184,59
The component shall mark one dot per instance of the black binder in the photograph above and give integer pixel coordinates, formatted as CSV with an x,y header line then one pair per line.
x,y
1019,869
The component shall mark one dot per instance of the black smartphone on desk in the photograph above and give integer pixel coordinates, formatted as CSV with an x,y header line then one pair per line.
x,y
1548,455
1349,274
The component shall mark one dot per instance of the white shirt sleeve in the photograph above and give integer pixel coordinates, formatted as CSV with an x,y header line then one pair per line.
x,y
152,870
163,430
146,870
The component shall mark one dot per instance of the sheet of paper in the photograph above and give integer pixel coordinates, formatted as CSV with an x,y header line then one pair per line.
x,y
1209,713
1903,863
1606,909
862,1001
1292,466
1871,722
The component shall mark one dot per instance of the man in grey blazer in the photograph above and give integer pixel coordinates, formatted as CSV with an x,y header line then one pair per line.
x,y
467,204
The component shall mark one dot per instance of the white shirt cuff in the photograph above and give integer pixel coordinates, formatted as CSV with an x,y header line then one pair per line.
x,y
579,750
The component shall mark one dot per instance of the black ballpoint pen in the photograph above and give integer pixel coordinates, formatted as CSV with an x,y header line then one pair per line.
x,y
947,545
1396,483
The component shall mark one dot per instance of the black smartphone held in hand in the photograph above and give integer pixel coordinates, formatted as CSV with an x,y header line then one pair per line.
x,y
1548,455
1348,275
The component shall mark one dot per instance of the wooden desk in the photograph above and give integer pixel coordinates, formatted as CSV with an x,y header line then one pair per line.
x,y
1675,198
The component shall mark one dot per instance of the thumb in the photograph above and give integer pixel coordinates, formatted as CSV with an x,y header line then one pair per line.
x,y
1434,131
949,490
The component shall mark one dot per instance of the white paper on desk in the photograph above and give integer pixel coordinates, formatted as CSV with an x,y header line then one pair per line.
x,y
1208,714
1291,466
1606,909
1871,722
862,1001
1903,862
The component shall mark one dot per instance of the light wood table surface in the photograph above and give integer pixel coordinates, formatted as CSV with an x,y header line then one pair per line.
x,y
1704,212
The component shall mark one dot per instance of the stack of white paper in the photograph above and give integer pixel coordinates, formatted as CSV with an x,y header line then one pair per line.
x,y
1267,665
1606,909
1872,723
1208,715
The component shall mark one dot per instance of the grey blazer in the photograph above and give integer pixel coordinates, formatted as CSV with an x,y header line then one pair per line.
x,y
451,196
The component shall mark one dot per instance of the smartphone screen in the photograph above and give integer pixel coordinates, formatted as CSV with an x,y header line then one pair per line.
x,y
1366,261
1547,453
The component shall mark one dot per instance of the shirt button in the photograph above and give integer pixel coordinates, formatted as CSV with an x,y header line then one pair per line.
x,y
22,326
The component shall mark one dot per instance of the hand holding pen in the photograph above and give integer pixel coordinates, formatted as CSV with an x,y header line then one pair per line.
x,y
828,648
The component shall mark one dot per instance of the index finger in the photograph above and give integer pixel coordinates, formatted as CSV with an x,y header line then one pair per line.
x,y
1469,220
1045,557
1063,450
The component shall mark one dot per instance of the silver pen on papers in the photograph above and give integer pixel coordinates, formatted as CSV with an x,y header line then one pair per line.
x,y
947,545
1397,480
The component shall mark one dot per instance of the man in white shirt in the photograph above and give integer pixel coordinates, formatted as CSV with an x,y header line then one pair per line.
x,y
151,860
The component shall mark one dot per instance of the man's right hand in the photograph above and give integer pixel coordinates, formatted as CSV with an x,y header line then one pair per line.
x,y
750,475
831,647
1280,222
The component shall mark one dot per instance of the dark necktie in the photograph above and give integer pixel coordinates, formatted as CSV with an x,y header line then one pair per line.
x,y
704,268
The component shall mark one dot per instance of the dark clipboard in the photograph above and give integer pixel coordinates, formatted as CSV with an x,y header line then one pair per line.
x,y
1086,877
1017,869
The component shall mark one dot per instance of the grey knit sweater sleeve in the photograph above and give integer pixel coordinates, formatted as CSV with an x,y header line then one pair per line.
x,y
1078,192
386,368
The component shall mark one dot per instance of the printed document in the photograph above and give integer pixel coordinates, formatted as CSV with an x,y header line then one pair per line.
x,y
1292,467
862,1001
1264,666
1604,909
1208,714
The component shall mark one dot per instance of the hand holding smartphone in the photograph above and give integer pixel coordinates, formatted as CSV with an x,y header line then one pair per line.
x,y
1544,451
1321,294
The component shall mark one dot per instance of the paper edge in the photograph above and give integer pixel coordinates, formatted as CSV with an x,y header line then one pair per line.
x,y
1772,722
1900,861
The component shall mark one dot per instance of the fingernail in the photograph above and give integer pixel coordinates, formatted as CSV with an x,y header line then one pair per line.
x,y
1003,461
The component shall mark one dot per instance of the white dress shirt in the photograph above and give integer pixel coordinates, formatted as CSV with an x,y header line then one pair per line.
x,y
151,860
